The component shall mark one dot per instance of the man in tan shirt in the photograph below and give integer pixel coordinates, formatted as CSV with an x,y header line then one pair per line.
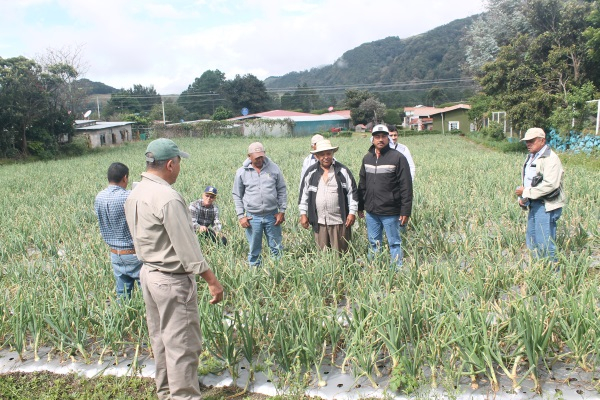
x,y
161,227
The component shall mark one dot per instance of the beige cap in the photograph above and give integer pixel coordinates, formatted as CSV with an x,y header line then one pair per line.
x,y
256,147
324,145
533,133
315,139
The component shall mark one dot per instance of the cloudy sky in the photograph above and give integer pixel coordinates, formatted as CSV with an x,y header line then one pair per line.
x,y
168,43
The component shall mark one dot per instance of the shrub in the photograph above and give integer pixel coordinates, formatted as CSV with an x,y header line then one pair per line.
x,y
78,147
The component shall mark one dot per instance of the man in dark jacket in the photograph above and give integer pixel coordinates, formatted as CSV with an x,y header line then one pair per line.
x,y
328,199
385,192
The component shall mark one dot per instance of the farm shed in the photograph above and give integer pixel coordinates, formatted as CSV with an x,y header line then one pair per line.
x,y
101,133
304,124
452,118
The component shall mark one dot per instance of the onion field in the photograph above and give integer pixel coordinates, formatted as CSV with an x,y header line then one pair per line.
x,y
469,305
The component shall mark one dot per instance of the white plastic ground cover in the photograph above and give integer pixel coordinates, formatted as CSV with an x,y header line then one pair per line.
x,y
567,382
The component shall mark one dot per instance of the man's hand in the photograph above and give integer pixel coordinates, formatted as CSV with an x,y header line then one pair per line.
x,y
202,229
522,202
403,220
245,222
519,191
361,214
214,286
350,220
304,221
279,218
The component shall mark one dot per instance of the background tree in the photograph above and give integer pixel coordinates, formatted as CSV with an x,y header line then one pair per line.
x,y
246,91
373,109
29,117
354,98
137,100
173,112
222,113
204,94
67,66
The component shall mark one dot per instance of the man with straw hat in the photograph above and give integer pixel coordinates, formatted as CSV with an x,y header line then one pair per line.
x,y
328,199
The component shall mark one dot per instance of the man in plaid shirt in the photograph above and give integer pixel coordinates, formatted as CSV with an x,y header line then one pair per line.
x,y
109,206
205,213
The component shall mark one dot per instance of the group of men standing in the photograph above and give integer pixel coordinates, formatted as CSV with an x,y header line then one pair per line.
x,y
152,239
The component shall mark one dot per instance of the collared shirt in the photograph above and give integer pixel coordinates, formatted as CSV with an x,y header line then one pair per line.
x,y
404,150
109,206
529,167
327,201
205,216
161,226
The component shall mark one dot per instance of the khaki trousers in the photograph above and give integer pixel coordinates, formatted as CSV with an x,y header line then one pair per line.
x,y
174,329
336,237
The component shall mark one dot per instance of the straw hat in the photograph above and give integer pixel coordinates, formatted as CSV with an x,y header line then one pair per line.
x,y
324,145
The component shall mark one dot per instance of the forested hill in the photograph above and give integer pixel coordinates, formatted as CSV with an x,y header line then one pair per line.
x,y
96,87
436,54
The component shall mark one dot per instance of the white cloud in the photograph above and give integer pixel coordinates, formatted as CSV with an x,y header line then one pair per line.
x,y
170,44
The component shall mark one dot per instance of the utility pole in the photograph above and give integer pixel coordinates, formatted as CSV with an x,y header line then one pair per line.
x,y
98,105
163,108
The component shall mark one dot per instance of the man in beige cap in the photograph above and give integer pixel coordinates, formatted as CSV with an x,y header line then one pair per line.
x,y
541,193
310,159
164,240
328,199
260,197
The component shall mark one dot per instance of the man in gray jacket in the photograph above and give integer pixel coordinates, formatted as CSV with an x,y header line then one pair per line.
x,y
260,197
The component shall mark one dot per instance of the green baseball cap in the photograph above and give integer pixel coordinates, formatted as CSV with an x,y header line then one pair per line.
x,y
164,149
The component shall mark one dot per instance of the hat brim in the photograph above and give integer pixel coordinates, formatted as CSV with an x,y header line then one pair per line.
x,y
334,149
378,132
183,154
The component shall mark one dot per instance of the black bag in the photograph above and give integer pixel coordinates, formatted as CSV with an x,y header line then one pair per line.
x,y
536,180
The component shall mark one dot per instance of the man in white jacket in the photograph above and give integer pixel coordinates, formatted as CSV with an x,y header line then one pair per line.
x,y
541,193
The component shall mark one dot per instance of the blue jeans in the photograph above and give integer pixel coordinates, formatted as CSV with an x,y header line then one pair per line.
x,y
541,230
126,268
259,224
376,224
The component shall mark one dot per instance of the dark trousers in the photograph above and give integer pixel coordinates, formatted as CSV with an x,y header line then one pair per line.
x,y
213,236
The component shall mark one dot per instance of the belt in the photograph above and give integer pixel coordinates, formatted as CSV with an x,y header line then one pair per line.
x,y
119,252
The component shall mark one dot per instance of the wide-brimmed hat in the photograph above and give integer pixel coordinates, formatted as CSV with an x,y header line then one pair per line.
x,y
164,149
533,133
324,145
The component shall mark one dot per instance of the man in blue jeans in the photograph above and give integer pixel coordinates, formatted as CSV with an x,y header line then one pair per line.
x,y
541,192
385,193
260,197
109,206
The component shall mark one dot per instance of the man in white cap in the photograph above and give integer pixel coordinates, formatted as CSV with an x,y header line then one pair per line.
x,y
385,192
164,240
541,192
260,197
311,159
328,199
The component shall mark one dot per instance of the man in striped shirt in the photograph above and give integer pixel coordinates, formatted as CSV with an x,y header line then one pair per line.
x,y
109,206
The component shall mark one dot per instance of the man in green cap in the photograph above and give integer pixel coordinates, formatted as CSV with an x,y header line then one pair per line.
x,y
164,240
